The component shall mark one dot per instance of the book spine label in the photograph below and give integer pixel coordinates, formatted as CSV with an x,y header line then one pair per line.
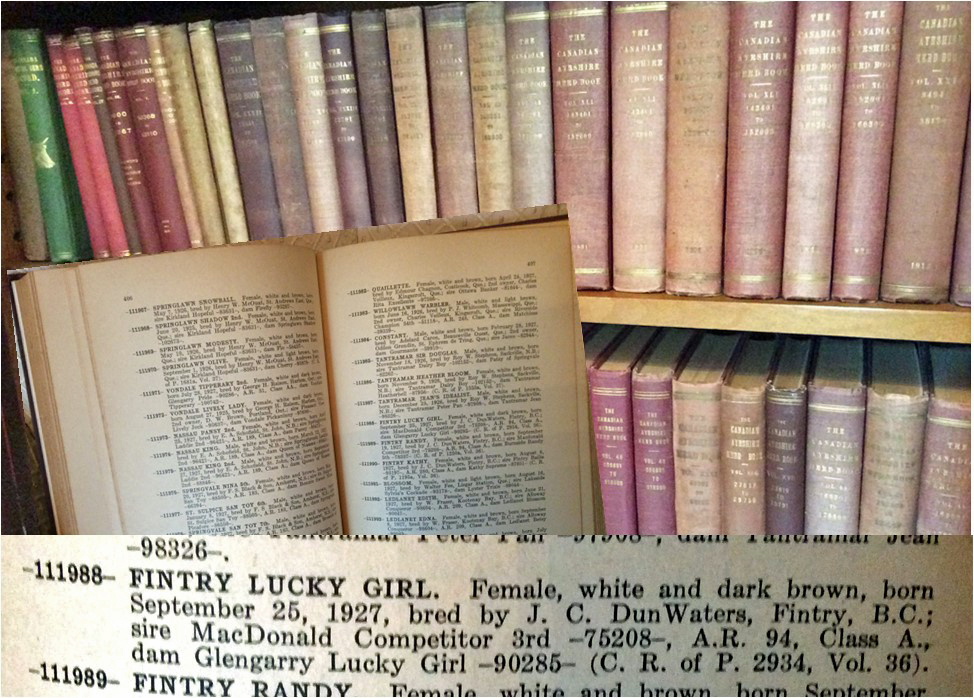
x,y
529,102
784,491
696,450
928,151
813,156
836,422
742,456
696,144
407,61
306,67
652,426
346,121
960,280
758,119
207,67
122,133
274,80
945,481
612,419
580,96
150,131
488,84
449,70
639,49
869,106
378,116
246,113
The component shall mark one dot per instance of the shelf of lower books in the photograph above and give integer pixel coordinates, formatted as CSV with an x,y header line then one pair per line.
x,y
928,323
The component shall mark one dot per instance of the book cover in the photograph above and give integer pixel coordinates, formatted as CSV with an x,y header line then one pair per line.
x,y
960,279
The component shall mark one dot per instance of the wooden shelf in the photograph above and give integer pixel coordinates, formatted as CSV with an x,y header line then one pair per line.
x,y
929,323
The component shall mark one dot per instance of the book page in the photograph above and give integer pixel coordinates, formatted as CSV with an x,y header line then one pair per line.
x,y
453,361
209,368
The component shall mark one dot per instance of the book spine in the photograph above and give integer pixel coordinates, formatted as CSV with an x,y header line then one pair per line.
x,y
488,85
866,151
813,155
696,452
274,80
639,49
944,504
928,150
784,492
529,101
74,131
742,460
612,417
207,67
306,67
378,116
121,131
151,133
580,97
346,120
192,132
758,118
696,144
246,113
960,280
836,422
407,62
450,100
652,426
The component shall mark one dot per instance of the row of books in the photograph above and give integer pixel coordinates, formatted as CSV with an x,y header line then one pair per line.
x,y
710,432
810,120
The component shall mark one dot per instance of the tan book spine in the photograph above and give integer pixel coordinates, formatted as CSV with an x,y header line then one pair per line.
x,y
696,448
207,65
742,456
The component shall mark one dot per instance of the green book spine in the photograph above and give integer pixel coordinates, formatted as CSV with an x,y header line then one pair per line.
x,y
67,235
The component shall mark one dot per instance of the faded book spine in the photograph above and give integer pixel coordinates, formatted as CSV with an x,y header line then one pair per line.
x,y
346,121
696,449
866,151
652,427
639,50
742,460
758,119
612,417
696,144
449,70
813,155
892,459
944,504
784,492
529,101
580,99
307,74
207,66
407,62
246,113
836,422
487,44
960,280
928,151
378,116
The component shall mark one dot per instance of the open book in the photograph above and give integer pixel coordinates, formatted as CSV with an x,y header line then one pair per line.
x,y
410,383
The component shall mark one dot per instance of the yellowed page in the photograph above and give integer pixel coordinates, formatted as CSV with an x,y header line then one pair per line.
x,y
454,364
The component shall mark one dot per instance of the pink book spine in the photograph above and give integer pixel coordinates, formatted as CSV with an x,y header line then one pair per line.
x,y
612,417
836,425
652,425
742,434
784,492
696,453
960,282
945,480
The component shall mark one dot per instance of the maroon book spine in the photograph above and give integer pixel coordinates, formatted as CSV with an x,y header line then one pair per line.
x,y
639,50
580,98
944,504
758,119
785,419
960,281
612,417
869,106
140,87
652,425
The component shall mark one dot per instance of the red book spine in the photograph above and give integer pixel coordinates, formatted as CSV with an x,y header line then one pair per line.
x,y
612,417
76,144
869,107
742,458
652,425
784,492
758,119
960,281
639,49
696,448
580,98
945,480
